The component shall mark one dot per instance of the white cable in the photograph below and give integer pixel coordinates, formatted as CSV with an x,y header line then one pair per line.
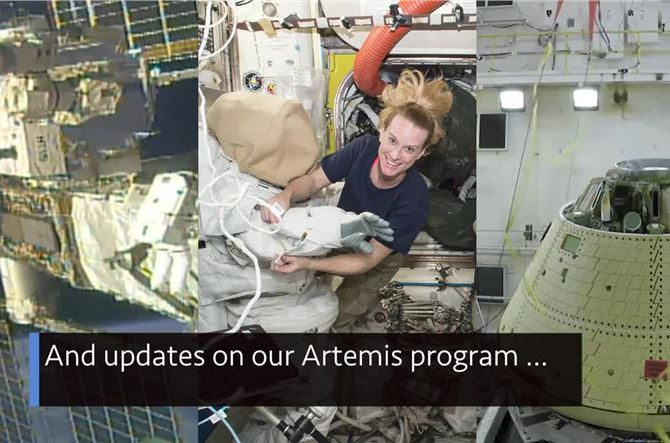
x,y
233,9
353,422
208,22
244,187
222,417
363,420
221,20
233,201
236,199
257,270
232,432
223,409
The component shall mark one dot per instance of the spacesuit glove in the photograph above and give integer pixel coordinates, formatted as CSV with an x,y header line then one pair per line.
x,y
353,233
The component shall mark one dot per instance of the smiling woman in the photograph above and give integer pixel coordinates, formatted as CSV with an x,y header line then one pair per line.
x,y
380,178
400,145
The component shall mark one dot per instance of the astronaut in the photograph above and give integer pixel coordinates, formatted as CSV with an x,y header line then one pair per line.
x,y
380,178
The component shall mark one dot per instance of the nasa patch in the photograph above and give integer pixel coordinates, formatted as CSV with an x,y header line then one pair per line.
x,y
253,81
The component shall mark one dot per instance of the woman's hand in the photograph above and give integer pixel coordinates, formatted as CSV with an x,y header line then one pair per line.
x,y
283,199
287,264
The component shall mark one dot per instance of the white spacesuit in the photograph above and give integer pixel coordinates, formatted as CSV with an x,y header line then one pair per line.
x,y
262,142
250,137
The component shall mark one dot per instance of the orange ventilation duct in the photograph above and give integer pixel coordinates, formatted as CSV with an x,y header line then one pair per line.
x,y
380,42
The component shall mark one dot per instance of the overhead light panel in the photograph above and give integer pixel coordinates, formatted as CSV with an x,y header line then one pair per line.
x,y
585,99
512,100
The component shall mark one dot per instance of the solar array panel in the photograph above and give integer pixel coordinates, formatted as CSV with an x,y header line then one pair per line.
x,y
14,422
165,33
87,424
122,425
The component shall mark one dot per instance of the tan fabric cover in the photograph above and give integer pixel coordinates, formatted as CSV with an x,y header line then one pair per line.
x,y
269,137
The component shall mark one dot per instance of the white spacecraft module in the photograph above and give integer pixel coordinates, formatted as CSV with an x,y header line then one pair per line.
x,y
72,204
600,272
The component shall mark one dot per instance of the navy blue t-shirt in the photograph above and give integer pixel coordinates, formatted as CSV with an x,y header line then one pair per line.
x,y
405,206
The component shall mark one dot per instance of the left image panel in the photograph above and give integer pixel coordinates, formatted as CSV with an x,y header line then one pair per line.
x,y
98,179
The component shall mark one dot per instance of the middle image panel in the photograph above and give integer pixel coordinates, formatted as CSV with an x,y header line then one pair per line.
x,y
337,189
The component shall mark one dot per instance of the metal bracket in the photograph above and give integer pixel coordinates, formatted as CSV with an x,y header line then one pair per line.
x,y
398,18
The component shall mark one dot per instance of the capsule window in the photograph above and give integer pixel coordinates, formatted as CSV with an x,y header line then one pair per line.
x,y
571,243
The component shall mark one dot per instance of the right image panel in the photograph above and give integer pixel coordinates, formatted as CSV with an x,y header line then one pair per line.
x,y
573,207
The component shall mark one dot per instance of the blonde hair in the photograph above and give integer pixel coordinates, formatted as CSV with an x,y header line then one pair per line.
x,y
424,103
